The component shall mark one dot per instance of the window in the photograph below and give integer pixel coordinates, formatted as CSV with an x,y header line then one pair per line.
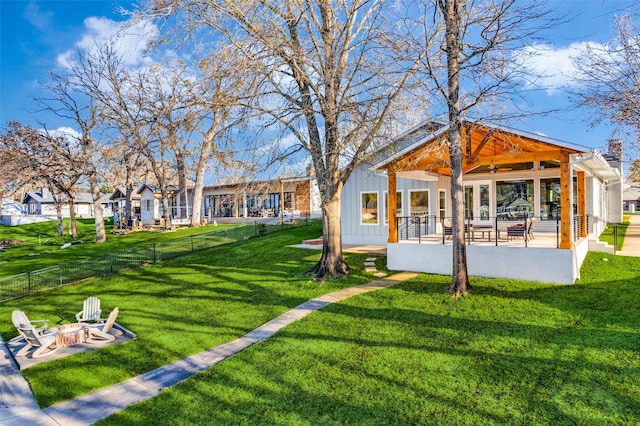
x,y
549,199
419,203
514,199
442,203
398,206
369,208
147,205
468,202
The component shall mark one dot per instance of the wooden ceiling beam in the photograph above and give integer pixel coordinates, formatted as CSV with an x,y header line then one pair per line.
x,y
513,158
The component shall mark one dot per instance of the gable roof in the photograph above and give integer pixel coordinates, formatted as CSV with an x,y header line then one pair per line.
x,y
42,197
489,145
171,189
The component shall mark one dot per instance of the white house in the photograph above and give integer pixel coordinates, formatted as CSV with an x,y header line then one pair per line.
x,y
151,211
42,203
534,206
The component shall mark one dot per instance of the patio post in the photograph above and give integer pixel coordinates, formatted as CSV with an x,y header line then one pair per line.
x,y
391,207
565,201
582,203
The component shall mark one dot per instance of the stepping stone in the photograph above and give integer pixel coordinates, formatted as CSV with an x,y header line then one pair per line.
x,y
369,263
380,275
370,259
370,269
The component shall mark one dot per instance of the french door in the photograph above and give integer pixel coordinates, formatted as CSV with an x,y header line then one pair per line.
x,y
477,201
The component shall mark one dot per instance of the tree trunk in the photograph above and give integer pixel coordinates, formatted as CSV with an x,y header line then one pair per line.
x,y
165,210
128,204
59,215
182,185
101,235
72,218
460,279
207,143
331,262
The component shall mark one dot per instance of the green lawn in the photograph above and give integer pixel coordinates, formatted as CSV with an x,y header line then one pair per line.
x,y
608,234
41,246
512,352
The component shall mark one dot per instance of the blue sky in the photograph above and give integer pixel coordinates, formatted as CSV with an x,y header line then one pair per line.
x,y
34,35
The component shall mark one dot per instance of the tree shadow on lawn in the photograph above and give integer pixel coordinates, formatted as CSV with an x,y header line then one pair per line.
x,y
608,295
555,372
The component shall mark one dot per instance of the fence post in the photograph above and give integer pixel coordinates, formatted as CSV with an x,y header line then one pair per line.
x,y
615,239
111,262
191,243
155,258
29,282
60,269
225,236
256,228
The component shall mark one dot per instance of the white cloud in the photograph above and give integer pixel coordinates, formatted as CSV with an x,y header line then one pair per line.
x,y
130,40
554,67
39,19
66,131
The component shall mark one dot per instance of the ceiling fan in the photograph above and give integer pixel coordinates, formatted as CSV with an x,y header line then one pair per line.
x,y
495,169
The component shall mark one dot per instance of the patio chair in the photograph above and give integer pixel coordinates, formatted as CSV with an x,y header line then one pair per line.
x,y
45,344
100,332
90,311
530,228
521,230
19,319
447,227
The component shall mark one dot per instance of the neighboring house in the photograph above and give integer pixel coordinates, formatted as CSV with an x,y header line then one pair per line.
x,y
288,197
510,176
119,200
151,210
42,203
10,207
631,197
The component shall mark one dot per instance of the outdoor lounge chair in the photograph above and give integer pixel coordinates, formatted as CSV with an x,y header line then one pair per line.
x,y
90,311
100,332
525,231
19,319
447,227
45,344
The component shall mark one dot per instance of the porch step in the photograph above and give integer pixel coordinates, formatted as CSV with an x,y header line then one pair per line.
x,y
600,246
315,241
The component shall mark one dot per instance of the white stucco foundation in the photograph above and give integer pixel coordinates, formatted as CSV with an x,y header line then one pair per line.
x,y
550,265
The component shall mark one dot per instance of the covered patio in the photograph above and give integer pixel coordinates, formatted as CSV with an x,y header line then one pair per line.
x,y
534,206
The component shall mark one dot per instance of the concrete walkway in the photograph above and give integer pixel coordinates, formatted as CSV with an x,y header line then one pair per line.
x,y
631,245
18,406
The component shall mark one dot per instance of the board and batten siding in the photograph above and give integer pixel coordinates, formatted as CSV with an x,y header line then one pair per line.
x,y
364,180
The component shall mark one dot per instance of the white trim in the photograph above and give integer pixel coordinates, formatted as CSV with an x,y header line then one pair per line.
x,y
377,208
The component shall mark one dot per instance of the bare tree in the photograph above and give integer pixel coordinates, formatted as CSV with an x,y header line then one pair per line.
x,y
50,158
466,50
609,79
323,77
69,97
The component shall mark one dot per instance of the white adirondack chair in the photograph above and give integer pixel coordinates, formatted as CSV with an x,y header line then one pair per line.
x,y
100,332
45,344
90,310
19,319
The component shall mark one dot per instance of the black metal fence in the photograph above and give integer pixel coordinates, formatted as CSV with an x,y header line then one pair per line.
x,y
496,230
39,280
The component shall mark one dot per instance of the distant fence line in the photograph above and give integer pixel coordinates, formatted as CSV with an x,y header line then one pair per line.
x,y
27,283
